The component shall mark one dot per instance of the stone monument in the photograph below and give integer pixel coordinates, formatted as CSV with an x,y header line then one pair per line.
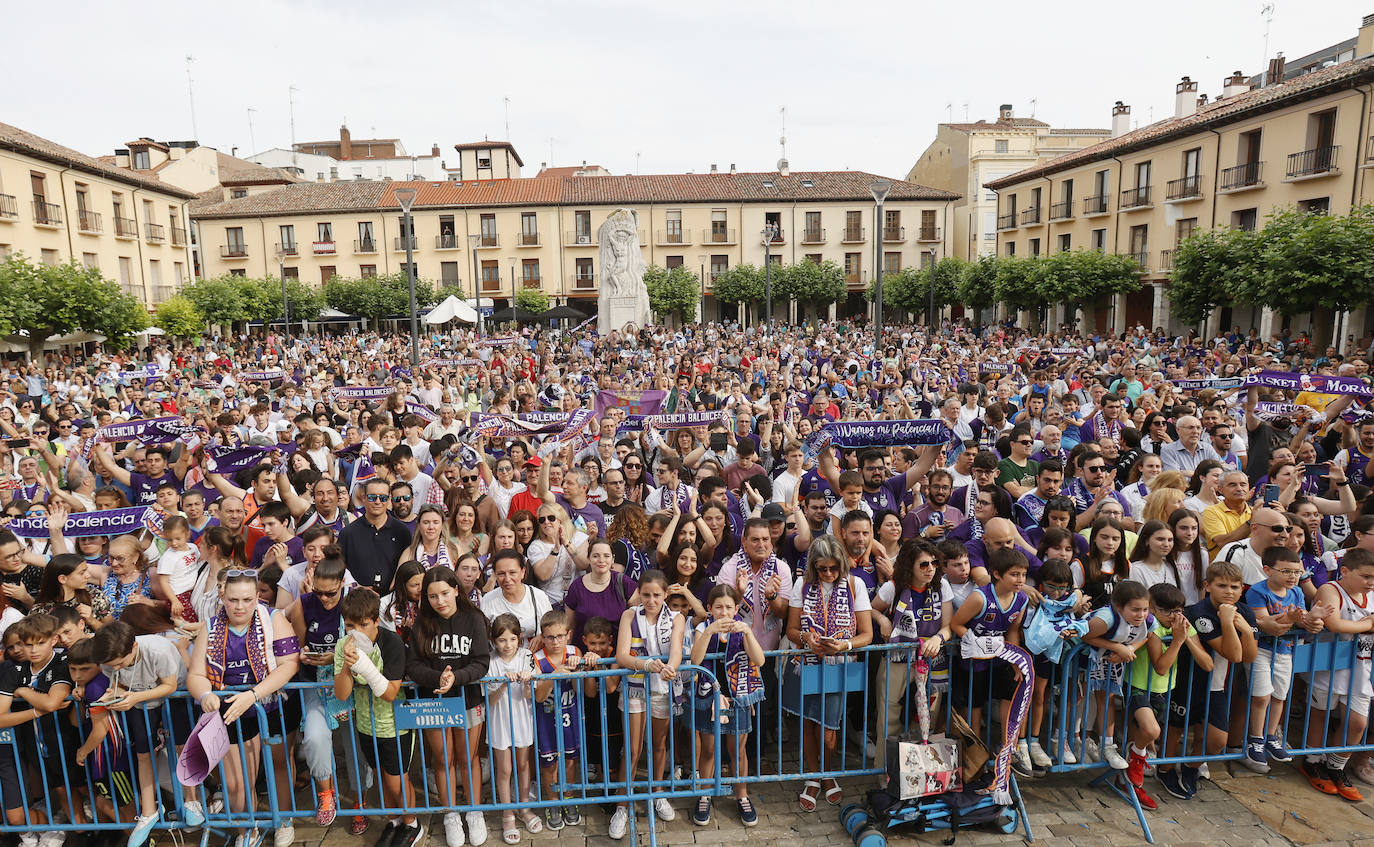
x,y
624,299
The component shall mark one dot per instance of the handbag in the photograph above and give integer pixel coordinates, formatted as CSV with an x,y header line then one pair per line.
x,y
924,768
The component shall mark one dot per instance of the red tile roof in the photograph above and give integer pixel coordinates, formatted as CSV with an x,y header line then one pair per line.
x,y
20,141
570,191
1217,113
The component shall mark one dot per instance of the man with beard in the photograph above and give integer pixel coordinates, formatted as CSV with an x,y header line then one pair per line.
x,y
934,518
881,492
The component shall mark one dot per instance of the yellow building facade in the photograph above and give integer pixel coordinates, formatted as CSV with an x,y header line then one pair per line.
x,y
490,237
1231,162
58,205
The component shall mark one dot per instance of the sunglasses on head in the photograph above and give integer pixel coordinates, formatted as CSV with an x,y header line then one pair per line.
x,y
233,572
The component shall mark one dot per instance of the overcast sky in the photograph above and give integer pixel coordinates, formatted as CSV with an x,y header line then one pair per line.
x,y
665,88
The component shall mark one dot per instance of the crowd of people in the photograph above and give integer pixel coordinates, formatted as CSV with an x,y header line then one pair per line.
x,y
205,522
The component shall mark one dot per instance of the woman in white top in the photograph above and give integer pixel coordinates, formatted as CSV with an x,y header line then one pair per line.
x,y
1150,466
1190,554
1203,488
558,552
1152,559
513,595
431,548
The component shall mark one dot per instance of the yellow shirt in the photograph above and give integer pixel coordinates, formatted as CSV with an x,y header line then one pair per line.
x,y
1315,400
1218,520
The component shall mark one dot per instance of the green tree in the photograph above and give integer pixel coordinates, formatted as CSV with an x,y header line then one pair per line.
x,y
810,283
48,300
978,285
1208,268
1083,277
180,317
219,300
532,300
1309,261
946,275
306,302
740,284
1016,283
376,297
673,291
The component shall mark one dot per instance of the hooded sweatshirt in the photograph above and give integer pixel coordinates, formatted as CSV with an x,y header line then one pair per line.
x,y
461,644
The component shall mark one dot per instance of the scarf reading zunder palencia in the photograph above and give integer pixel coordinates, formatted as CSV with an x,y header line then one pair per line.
x,y
833,618
1016,718
256,642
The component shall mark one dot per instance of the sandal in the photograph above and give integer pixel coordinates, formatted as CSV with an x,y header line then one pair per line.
x,y
533,823
510,833
807,798
833,794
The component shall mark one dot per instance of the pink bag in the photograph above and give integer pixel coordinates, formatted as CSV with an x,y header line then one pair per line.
x,y
203,751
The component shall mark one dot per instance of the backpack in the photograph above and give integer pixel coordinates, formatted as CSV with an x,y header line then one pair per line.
x,y
953,811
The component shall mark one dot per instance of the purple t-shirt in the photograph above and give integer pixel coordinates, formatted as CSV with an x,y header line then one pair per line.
x,y
586,604
889,496
590,514
144,487
294,551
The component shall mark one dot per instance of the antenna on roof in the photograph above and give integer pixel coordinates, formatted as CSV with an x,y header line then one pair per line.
x,y
1267,10
191,95
636,163
782,124
291,98
251,141
1033,102
507,102
966,111
950,108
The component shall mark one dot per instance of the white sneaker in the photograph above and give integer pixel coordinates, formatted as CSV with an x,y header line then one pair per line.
x,y
252,839
1091,753
1203,771
1114,758
52,838
285,836
664,809
1069,757
28,839
453,829
620,822
1038,756
477,829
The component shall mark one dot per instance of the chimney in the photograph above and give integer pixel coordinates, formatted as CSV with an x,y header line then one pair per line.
x,y
783,169
1185,98
732,168
713,167
1201,101
1004,112
1274,75
1121,119
1234,84
434,150
345,143
1364,42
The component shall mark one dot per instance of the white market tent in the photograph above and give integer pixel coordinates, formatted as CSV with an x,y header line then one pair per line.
x,y
451,309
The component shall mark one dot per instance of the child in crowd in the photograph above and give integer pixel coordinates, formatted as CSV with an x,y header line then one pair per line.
x,y
992,614
1105,565
851,498
1116,632
176,568
1051,629
733,708
369,669
603,749
49,742
103,753
958,573
143,670
558,718
1149,695
510,720
1280,610
1344,693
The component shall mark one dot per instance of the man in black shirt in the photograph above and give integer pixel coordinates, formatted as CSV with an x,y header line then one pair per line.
x,y
372,547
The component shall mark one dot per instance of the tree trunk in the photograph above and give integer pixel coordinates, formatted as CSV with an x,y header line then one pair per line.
x,y
36,339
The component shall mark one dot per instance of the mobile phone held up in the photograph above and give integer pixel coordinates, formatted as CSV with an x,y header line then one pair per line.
x,y
1271,494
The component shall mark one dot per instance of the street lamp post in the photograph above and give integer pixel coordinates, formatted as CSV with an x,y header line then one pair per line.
x,y
879,188
406,196
473,241
701,310
512,292
769,231
285,304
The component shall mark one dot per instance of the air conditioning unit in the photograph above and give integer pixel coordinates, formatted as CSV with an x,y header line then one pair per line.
x,y
584,239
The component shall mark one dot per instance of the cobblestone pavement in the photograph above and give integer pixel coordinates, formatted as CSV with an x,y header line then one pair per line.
x,y
1237,809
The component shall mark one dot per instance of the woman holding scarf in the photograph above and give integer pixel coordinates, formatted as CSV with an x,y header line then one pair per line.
x,y
828,616
245,646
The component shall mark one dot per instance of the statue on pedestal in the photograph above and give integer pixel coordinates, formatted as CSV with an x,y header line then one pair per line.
x,y
624,297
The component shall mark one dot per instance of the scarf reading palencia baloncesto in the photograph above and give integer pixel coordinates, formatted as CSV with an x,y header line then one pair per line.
x,y
833,618
1101,427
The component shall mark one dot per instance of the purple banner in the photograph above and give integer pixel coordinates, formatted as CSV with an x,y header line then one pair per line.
x,y
230,460
85,524
421,411
852,434
637,423
262,376
361,392
514,426
646,402
1220,383
1318,383
144,431
995,368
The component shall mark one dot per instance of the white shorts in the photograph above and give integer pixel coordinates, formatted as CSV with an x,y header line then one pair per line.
x,y
1323,700
659,705
1271,674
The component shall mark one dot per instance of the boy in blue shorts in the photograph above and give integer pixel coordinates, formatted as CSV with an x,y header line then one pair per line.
x,y
103,753
557,713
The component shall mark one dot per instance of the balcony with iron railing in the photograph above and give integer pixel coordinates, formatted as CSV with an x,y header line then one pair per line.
x,y
491,283
364,245
88,221
776,236
447,241
856,278
487,240
398,244
527,239
1062,209
1007,221
125,227
894,234
1030,216
530,281
179,236
1319,161
1095,204
285,249
718,236
928,233
854,235
1184,188
1142,258
9,206
813,236
584,282
579,238
233,251
1166,260
155,233
46,214
1135,198
672,237
1242,177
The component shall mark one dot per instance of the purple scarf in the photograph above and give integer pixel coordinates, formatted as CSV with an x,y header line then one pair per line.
x,y
833,618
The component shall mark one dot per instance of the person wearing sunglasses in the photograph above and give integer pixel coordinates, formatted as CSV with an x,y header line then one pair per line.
x,y
404,507
1268,528
373,546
